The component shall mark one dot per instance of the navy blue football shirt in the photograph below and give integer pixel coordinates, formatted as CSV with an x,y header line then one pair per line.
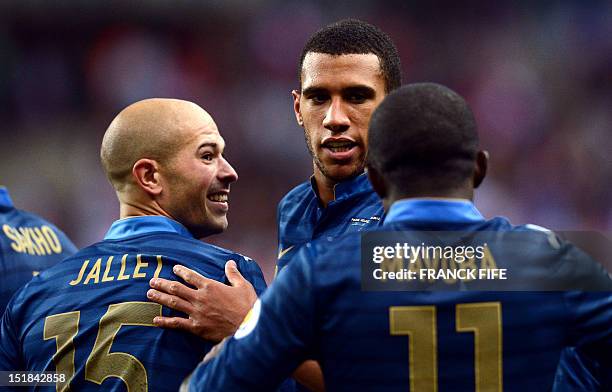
x,y
417,341
302,218
28,245
89,318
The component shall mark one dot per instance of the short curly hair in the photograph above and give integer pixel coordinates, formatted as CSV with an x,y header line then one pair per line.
x,y
353,36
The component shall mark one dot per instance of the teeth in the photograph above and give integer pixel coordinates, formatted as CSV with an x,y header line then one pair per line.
x,y
218,197
340,144
339,149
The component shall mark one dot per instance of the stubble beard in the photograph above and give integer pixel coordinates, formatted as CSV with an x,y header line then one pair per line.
x,y
358,169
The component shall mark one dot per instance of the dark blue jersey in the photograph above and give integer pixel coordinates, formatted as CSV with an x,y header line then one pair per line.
x,y
28,245
89,317
301,218
416,341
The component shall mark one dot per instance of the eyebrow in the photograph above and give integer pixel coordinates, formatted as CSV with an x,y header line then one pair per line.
x,y
314,90
365,90
208,144
362,88
214,146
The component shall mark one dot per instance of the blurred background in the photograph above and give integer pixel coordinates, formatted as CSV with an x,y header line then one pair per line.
x,y
537,74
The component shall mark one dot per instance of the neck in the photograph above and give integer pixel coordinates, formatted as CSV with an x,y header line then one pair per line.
x,y
129,208
325,188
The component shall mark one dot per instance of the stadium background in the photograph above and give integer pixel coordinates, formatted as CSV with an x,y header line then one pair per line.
x,y
537,74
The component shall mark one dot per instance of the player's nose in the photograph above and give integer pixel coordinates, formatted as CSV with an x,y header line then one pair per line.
x,y
336,118
226,172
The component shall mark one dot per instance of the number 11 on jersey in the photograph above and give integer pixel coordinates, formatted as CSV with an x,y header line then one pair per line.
x,y
483,319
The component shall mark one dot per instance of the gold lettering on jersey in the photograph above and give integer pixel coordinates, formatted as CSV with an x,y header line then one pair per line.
x,y
27,241
159,266
470,265
35,241
392,265
105,277
80,276
16,241
139,264
39,240
52,239
128,267
121,272
94,273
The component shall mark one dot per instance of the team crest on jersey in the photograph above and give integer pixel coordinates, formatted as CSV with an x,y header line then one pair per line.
x,y
356,221
250,321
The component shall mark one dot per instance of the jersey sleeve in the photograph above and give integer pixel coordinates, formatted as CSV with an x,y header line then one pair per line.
x,y
250,271
275,337
9,343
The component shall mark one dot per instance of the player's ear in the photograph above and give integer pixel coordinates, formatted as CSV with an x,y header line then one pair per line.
x,y
296,107
146,175
480,167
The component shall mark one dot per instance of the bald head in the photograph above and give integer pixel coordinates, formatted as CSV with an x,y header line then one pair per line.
x,y
154,129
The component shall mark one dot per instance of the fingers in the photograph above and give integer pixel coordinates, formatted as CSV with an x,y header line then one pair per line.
x,y
171,301
232,273
173,323
173,288
191,277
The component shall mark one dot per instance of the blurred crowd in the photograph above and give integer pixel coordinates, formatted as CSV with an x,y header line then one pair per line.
x,y
537,74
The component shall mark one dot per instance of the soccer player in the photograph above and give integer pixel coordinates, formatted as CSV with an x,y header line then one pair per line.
x,y
345,70
28,244
424,162
88,317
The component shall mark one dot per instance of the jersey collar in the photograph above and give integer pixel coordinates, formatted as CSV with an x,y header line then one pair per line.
x,y
5,198
434,210
138,225
345,189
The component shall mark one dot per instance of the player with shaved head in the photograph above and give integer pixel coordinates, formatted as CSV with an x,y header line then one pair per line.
x,y
88,318
194,178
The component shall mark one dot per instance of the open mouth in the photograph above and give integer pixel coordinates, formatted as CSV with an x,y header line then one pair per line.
x,y
339,145
220,197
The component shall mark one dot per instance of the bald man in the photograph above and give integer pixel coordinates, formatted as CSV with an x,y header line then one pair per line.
x,y
88,318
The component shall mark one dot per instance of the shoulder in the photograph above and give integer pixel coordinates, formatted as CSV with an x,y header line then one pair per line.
x,y
226,254
220,254
326,256
553,257
173,245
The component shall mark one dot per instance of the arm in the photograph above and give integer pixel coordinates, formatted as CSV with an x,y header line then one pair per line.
x,y
275,337
214,309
